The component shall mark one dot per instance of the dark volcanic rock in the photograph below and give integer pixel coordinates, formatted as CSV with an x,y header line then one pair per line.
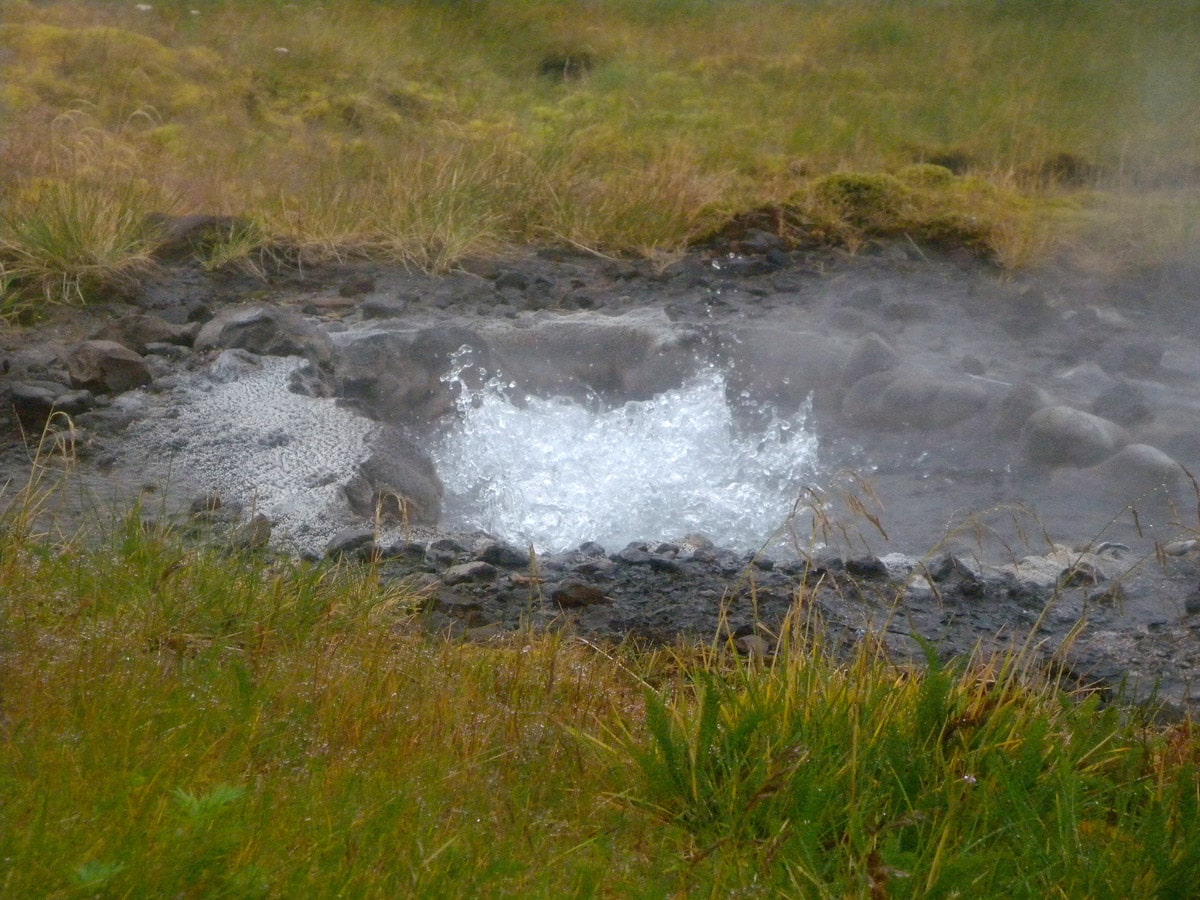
x,y
351,541
504,555
267,331
573,594
34,402
398,481
107,367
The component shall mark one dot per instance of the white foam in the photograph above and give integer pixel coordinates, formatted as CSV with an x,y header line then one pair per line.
x,y
555,473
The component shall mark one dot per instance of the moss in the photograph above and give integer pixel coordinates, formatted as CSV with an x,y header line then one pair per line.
x,y
926,175
870,201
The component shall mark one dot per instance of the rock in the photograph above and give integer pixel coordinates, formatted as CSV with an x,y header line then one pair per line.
x,y
354,540
255,534
634,554
1017,406
384,307
894,399
1135,356
871,354
1180,548
948,567
928,401
106,367
1080,575
503,555
36,401
406,551
1138,470
466,572
754,646
867,567
137,330
232,365
573,594
267,331
398,481
398,378
459,606
1125,404
860,404
443,551
1064,436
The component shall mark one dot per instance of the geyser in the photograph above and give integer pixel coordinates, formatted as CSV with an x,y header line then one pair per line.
x,y
555,472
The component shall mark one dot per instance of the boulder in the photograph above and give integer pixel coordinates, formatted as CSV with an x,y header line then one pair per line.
x,y
869,355
1017,406
398,481
503,555
1125,404
468,572
106,367
894,399
574,593
1065,436
1138,470
35,401
397,377
354,540
267,331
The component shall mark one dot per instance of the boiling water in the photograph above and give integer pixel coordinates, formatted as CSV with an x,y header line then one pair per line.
x,y
555,473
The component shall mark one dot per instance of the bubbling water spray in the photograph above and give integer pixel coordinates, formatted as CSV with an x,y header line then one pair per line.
x,y
554,473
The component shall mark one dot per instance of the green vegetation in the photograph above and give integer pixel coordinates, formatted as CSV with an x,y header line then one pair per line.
x,y
427,131
187,720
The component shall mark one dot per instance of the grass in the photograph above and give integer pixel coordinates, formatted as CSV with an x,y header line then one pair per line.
x,y
425,132
179,719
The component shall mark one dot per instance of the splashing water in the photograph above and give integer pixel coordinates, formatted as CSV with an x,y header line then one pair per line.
x,y
556,473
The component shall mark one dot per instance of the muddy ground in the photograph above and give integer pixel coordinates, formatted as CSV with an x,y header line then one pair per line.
x,y
982,510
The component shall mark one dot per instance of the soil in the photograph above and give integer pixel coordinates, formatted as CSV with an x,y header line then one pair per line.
x,y
954,531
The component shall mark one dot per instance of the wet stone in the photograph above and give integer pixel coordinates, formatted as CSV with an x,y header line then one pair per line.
x,y
573,594
444,551
403,551
870,568
468,572
106,366
635,554
503,555
255,534
384,307
350,541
